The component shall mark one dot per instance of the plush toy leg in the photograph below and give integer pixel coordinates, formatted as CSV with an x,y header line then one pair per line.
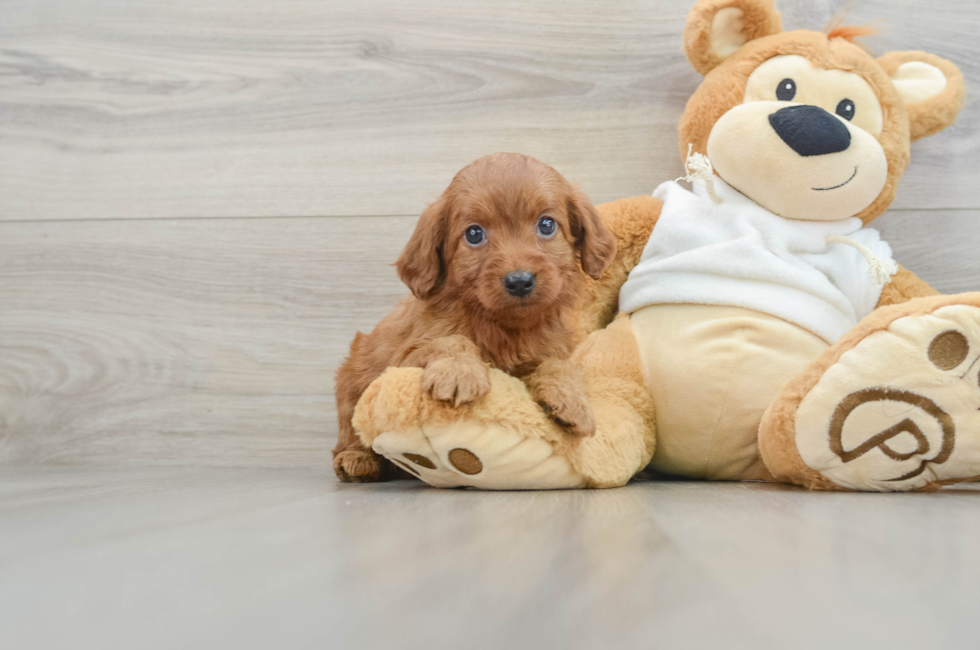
x,y
894,406
504,440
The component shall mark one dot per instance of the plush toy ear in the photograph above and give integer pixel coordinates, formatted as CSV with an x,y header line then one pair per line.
x,y
421,265
596,245
716,28
932,88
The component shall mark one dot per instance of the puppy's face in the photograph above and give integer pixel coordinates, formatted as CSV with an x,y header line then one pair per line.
x,y
506,238
509,242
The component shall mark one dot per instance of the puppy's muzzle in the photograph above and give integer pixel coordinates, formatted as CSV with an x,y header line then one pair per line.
x,y
519,283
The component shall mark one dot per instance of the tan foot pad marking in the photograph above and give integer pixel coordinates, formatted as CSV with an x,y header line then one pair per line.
x,y
465,461
419,459
948,350
405,467
474,454
900,409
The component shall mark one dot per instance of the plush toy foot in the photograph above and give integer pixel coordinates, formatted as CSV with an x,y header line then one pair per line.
x,y
895,406
485,444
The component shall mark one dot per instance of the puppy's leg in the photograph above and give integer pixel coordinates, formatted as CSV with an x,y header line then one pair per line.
x,y
452,369
352,462
558,387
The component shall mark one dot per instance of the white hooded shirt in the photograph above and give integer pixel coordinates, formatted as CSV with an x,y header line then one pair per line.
x,y
739,254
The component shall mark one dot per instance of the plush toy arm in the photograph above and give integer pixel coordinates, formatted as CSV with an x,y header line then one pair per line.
x,y
631,221
905,286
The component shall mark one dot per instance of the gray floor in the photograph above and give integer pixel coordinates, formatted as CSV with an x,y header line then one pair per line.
x,y
214,558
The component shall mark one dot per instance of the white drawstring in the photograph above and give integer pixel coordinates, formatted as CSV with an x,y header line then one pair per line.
x,y
699,169
881,272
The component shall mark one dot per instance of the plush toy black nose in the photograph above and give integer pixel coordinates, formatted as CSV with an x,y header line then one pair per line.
x,y
519,283
810,130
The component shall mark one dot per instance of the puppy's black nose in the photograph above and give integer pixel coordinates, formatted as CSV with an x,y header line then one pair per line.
x,y
810,130
519,283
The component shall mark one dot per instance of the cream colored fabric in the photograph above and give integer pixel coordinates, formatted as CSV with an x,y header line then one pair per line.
x,y
712,372
904,416
506,460
917,81
728,31
747,152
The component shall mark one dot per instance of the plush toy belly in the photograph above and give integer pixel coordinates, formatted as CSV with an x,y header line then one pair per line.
x,y
712,372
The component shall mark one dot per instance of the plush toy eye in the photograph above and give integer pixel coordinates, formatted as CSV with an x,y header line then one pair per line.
x,y
547,226
786,90
846,109
475,235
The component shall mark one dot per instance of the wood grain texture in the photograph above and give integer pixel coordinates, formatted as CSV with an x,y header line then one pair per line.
x,y
215,341
221,108
942,247
209,341
169,558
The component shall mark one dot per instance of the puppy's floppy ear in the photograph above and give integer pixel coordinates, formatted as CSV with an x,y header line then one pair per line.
x,y
421,265
596,245
716,28
932,88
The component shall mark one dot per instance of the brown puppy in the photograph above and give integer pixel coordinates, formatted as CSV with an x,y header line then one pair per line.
x,y
493,266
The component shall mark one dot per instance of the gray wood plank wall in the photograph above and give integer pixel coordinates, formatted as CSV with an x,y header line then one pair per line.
x,y
200,200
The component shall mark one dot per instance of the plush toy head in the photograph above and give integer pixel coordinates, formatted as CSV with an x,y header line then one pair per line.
x,y
807,124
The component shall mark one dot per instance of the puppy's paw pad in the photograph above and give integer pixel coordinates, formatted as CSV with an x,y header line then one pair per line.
x,y
357,466
459,382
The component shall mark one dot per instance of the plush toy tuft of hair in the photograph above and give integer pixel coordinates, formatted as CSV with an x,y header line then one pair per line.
x,y
850,32
837,28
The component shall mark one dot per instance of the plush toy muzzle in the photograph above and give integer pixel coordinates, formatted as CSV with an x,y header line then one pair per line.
x,y
798,160
810,130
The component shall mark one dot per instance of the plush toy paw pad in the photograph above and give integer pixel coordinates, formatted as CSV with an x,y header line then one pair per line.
x,y
901,409
465,461
477,455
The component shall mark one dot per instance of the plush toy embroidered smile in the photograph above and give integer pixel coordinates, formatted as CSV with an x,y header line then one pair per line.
x,y
764,331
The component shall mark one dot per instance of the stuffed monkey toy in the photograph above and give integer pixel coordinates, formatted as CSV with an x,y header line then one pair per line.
x,y
764,331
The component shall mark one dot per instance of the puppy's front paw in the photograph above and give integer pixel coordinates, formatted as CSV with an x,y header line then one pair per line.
x,y
456,380
357,466
568,408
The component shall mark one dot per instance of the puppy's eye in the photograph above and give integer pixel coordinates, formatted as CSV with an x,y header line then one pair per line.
x,y
786,90
474,235
846,109
547,226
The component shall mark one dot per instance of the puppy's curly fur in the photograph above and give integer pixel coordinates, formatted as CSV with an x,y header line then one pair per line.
x,y
461,320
